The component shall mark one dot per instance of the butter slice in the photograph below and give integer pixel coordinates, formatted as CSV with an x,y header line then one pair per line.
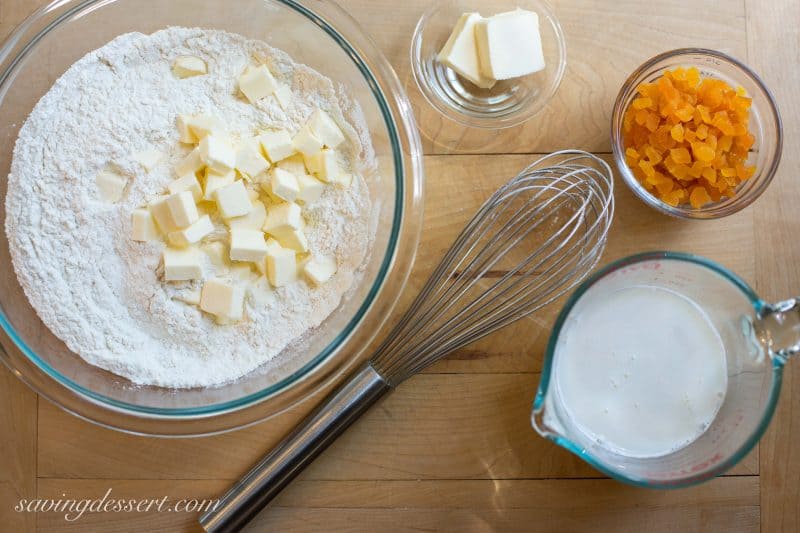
x,y
311,188
284,96
319,269
193,233
188,66
306,142
277,144
233,200
281,265
460,52
110,185
249,160
215,181
182,208
222,300
325,129
187,183
143,227
283,218
217,153
509,45
182,265
162,214
283,184
256,83
190,164
248,245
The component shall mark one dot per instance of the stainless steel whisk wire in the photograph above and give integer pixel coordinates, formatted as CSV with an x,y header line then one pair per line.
x,y
566,197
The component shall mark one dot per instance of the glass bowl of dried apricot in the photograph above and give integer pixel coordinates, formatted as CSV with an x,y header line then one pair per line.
x,y
696,134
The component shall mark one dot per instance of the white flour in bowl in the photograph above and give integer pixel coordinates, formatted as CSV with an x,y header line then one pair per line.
x,y
97,289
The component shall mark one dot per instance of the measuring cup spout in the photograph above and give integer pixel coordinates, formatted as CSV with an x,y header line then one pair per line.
x,y
778,329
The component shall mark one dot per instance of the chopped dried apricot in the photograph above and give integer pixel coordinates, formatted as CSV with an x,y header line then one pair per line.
x,y
687,137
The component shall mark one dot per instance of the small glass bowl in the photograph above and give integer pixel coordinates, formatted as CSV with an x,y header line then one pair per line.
x,y
509,102
765,125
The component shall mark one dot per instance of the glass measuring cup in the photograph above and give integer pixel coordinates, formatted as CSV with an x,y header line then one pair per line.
x,y
758,337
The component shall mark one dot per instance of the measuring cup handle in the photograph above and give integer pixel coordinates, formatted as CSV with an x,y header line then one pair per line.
x,y
778,328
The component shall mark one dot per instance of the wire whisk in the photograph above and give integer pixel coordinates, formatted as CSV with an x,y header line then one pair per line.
x,y
533,240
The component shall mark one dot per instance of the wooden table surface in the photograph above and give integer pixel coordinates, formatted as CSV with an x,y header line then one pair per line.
x,y
453,449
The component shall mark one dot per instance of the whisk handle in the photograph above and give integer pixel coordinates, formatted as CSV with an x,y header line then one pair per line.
x,y
269,476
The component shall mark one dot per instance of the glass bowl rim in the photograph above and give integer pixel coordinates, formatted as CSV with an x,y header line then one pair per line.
x,y
717,210
544,382
489,122
218,408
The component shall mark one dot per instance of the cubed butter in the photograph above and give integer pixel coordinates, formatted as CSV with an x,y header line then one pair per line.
x,y
283,184
283,218
319,269
190,164
277,144
215,181
249,160
187,183
223,300
293,239
182,208
257,82
192,128
217,255
509,45
284,96
311,188
306,142
233,200
182,265
217,153
143,227
149,159
460,52
162,214
253,220
110,185
295,164
281,265
188,66
192,234
248,245
325,165
325,129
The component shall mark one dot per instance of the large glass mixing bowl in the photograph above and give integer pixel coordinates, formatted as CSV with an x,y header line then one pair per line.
x,y
317,33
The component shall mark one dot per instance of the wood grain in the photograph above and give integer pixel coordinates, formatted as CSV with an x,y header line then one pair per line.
x,y
725,504
773,45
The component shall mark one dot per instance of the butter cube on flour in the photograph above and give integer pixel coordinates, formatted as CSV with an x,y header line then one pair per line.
x,y
295,164
182,265
509,45
215,181
110,185
233,200
248,245
283,184
249,160
149,159
253,220
257,82
277,144
319,269
187,183
460,52
284,96
283,218
325,165
143,227
306,142
162,214
190,164
192,234
325,129
192,128
293,239
281,265
188,66
217,153
182,208
311,189
223,300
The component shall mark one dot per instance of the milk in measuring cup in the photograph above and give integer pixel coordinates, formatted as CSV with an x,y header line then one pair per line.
x,y
642,371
